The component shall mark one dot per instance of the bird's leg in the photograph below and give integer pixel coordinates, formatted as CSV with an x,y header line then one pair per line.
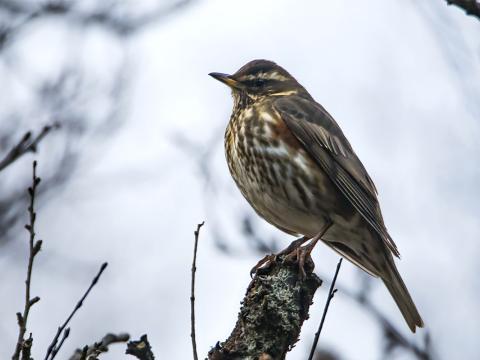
x,y
294,245
269,259
301,253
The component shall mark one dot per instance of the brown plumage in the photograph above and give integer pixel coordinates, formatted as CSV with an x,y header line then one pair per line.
x,y
295,167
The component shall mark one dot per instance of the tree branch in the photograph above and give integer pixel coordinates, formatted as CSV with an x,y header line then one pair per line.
x,y
23,346
93,351
272,314
471,7
141,349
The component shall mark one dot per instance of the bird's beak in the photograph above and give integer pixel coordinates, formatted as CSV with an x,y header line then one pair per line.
x,y
227,79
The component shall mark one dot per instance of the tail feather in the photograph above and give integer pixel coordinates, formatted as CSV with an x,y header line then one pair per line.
x,y
400,294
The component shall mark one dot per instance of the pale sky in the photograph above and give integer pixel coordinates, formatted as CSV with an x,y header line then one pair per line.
x,y
402,79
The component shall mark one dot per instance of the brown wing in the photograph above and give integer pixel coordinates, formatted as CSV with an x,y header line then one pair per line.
x,y
323,139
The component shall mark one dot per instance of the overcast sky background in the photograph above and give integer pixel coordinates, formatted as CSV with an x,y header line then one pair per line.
x,y
402,78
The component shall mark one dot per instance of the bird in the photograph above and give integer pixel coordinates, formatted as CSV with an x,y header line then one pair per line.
x,y
295,167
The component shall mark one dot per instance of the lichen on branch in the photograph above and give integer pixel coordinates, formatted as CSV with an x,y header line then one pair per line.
x,y
272,314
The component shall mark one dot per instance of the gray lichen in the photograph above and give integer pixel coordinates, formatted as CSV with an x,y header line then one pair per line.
x,y
274,308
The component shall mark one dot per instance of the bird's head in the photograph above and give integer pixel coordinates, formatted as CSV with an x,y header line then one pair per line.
x,y
260,78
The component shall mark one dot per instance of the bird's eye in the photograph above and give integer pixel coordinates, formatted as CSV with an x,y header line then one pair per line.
x,y
259,82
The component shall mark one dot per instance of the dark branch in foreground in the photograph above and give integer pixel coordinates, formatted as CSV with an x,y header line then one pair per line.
x,y
272,314
331,294
93,351
192,294
28,143
23,346
471,7
53,348
141,349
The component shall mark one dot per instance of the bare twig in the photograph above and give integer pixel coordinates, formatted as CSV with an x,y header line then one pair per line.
x,y
34,247
471,7
94,350
141,349
53,348
331,294
28,143
192,295
65,335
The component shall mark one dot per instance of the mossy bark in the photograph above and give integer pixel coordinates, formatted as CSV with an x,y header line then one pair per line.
x,y
274,308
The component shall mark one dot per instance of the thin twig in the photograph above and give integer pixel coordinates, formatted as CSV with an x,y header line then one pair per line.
x,y
34,248
28,143
53,348
65,335
192,295
331,294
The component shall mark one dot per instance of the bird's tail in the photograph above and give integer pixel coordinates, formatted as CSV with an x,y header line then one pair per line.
x,y
400,294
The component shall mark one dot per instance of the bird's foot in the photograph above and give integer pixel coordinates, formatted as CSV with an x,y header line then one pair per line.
x,y
269,260
294,245
264,264
301,256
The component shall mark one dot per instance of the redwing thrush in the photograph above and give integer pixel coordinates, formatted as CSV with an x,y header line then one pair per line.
x,y
296,168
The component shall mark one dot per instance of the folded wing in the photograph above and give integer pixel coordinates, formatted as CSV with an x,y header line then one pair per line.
x,y
323,139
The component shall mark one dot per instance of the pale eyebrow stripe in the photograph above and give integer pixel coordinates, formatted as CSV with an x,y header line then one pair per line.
x,y
267,76
276,76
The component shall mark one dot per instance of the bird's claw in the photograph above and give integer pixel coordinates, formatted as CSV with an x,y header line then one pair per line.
x,y
299,255
264,263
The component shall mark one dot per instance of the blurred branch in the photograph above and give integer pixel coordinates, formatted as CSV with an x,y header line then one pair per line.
x,y
202,157
62,98
192,295
70,92
471,7
23,346
394,338
118,23
53,348
255,239
93,351
141,349
326,354
273,311
28,143
331,294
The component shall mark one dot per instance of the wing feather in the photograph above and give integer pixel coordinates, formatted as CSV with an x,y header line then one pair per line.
x,y
323,139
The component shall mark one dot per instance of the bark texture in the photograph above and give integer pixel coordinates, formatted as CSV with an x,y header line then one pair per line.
x,y
272,313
